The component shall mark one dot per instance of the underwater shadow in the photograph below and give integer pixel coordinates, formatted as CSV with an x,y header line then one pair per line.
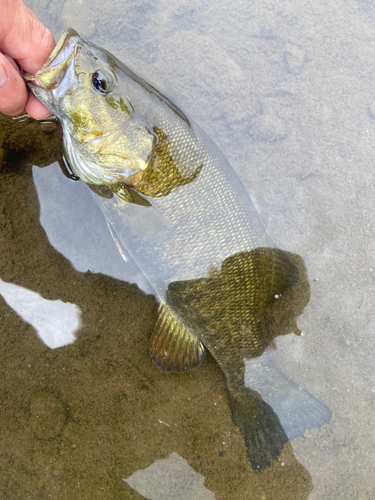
x,y
98,401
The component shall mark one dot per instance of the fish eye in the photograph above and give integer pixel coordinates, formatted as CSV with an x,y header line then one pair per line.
x,y
103,81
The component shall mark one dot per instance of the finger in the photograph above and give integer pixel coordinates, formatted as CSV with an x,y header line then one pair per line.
x,y
13,92
35,108
23,36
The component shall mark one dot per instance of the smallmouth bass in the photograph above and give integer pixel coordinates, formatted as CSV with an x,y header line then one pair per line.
x,y
183,215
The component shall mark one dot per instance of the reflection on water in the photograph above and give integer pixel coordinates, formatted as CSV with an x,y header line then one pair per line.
x,y
76,228
286,90
55,322
100,400
197,238
296,408
170,479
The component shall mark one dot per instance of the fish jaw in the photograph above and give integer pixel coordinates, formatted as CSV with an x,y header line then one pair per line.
x,y
109,146
57,75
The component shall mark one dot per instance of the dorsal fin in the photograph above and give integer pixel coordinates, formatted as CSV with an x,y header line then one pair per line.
x,y
174,347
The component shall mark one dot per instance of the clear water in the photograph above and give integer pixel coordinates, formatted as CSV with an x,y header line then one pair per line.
x,y
285,89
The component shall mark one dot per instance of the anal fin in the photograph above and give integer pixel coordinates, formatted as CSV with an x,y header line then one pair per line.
x,y
174,348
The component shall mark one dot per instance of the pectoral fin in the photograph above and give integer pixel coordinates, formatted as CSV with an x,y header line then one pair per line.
x,y
123,192
131,196
101,190
173,346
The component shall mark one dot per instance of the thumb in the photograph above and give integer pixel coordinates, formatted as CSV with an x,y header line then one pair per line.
x,y
13,93
15,99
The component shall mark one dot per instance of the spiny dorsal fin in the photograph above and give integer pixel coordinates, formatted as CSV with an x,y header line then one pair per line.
x,y
173,346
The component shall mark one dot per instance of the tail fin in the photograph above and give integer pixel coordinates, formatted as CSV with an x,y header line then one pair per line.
x,y
260,426
297,409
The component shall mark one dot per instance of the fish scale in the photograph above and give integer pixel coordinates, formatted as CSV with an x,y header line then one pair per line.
x,y
182,214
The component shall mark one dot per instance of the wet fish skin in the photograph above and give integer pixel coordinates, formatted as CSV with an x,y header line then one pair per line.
x,y
246,284
183,215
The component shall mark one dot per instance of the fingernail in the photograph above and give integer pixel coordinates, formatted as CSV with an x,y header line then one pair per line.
x,y
3,76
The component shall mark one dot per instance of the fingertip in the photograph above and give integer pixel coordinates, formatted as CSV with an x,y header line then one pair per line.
x,y
32,63
47,45
13,92
23,36
35,108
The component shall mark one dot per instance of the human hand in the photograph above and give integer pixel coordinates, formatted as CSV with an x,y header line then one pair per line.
x,y
24,39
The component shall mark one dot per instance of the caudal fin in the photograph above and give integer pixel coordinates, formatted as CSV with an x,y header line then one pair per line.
x,y
260,426
296,408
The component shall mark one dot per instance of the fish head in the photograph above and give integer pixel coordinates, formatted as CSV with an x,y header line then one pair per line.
x,y
105,139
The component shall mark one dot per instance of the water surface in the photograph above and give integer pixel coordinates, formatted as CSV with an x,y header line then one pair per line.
x,y
285,89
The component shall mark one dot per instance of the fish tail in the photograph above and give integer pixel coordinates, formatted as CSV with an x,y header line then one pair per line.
x,y
260,426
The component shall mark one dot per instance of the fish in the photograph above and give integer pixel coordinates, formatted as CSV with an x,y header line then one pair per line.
x,y
181,212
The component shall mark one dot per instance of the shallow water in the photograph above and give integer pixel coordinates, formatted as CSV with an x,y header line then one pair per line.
x,y
285,89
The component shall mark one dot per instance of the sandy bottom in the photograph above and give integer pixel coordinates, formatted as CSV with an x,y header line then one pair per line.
x,y
286,90
77,420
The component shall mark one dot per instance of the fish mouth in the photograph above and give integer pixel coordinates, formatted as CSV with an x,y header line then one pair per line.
x,y
55,68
